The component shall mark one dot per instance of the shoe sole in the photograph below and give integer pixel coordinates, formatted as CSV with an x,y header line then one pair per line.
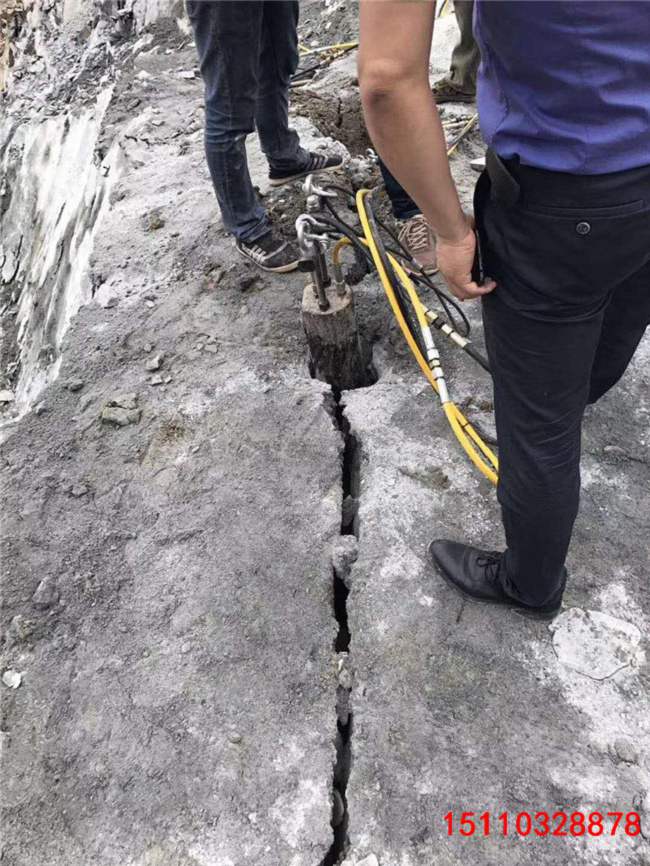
x,y
282,181
283,269
530,613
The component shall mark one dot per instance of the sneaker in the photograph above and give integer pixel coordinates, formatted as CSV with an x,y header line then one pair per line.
x,y
270,253
417,238
475,573
317,162
446,91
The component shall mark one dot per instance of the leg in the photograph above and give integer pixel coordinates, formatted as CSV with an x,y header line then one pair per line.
x,y
541,372
278,62
228,39
403,205
466,56
625,322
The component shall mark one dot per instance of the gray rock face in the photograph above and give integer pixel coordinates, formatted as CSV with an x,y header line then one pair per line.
x,y
460,707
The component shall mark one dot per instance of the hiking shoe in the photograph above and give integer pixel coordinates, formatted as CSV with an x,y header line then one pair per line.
x,y
317,162
270,253
419,241
475,573
446,91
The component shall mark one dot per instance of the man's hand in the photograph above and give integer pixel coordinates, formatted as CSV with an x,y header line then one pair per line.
x,y
455,260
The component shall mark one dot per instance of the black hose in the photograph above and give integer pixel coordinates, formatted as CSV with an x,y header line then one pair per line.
x,y
446,300
403,301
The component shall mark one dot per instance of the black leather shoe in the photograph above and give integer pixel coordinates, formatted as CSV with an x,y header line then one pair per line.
x,y
475,573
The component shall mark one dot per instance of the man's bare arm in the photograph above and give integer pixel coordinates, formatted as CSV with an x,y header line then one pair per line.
x,y
404,124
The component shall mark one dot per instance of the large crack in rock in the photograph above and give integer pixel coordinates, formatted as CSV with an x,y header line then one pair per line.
x,y
178,677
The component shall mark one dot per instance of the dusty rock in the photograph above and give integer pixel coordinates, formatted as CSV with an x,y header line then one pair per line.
x,y
344,554
370,860
7,396
47,593
595,643
74,384
338,808
156,380
12,679
349,511
155,363
626,750
20,628
119,416
154,221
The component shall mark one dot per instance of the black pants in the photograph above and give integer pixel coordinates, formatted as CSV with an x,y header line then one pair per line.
x,y
403,205
571,256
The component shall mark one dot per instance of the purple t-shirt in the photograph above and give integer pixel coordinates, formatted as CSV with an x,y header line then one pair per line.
x,y
565,85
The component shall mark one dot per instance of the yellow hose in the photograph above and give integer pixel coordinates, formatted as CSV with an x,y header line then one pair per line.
x,y
328,49
474,446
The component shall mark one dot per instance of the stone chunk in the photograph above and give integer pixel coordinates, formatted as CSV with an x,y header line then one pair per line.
x,y
155,363
120,417
122,410
344,554
46,594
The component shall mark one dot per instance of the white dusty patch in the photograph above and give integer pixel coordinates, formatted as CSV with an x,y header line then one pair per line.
x,y
60,195
596,658
301,811
595,644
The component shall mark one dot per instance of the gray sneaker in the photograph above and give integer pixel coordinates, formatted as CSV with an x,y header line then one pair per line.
x,y
317,162
270,253
417,238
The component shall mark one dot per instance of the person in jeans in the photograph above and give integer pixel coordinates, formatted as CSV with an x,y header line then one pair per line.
x,y
415,233
248,51
460,84
563,215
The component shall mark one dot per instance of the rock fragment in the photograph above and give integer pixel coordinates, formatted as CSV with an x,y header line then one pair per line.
x,y
626,751
7,396
370,860
344,554
46,594
338,809
20,628
122,410
154,221
349,511
155,363
12,679
74,385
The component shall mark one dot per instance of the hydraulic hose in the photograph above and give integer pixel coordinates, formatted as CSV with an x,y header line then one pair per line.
x,y
394,279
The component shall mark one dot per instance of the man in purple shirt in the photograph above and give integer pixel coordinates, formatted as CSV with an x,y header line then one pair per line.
x,y
563,216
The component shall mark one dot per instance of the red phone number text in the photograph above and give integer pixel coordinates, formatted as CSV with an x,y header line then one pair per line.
x,y
543,823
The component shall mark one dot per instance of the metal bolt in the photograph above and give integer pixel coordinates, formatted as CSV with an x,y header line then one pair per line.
x,y
583,228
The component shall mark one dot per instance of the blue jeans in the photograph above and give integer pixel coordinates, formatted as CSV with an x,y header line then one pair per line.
x,y
248,52
403,205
